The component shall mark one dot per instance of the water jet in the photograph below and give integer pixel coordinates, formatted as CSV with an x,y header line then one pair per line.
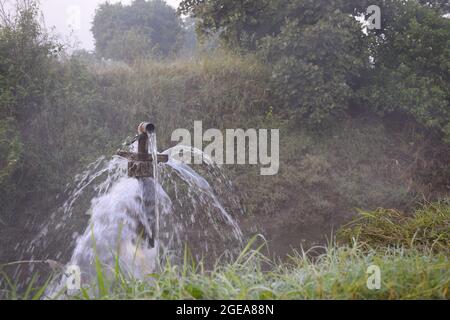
x,y
141,213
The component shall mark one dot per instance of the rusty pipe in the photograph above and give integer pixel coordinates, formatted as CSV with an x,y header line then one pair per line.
x,y
143,128
146,127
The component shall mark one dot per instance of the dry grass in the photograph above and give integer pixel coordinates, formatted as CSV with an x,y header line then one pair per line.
x,y
428,227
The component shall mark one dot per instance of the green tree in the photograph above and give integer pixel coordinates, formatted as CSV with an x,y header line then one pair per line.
x,y
411,57
316,49
322,64
242,24
317,62
139,30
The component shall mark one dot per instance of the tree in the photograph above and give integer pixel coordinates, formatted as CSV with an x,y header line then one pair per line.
x,y
242,24
142,29
25,54
322,64
315,48
411,72
442,5
317,61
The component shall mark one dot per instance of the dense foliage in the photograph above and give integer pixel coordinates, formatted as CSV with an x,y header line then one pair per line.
x,y
140,30
25,55
292,65
323,64
412,66
316,68
50,115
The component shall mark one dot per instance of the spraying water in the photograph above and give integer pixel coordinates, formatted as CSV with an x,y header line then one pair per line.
x,y
115,220
154,152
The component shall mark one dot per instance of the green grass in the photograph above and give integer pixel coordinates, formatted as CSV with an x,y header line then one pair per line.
x,y
428,227
410,250
338,273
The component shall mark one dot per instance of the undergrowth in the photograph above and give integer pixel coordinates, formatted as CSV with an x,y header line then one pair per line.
x,y
337,273
427,228
411,252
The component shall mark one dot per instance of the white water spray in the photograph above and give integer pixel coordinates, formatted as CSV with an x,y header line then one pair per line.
x,y
135,224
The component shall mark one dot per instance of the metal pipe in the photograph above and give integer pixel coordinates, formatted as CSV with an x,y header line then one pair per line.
x,y
140,164
146,127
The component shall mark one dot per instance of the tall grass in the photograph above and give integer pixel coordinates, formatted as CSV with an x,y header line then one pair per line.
x,y
427,228
410,250
338,273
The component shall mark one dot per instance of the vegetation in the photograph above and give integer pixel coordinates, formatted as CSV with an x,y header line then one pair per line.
x,y
335,273
340,273
141,30
427,228
411,252
323,65
411,59
364,120
332,272
26,53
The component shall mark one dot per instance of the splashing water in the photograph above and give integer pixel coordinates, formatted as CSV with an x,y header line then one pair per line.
x,y
138,223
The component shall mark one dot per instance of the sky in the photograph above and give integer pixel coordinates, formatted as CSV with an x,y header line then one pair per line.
x,y
71,20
